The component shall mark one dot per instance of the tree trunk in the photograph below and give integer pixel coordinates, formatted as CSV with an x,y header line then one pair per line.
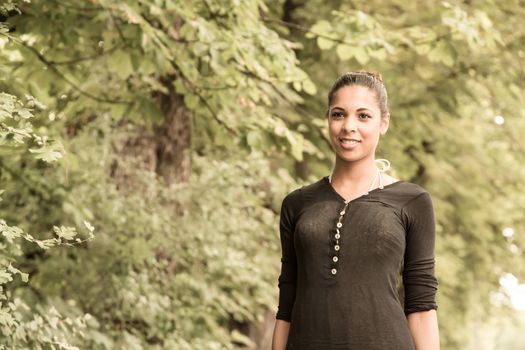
x,y
173,139
164,149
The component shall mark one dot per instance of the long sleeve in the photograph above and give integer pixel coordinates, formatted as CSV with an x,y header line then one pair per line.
x,y
419,280
288,275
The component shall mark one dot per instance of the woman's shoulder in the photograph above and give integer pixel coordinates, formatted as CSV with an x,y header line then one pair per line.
x,y
406,185
412,194
307,187
304,191
405,191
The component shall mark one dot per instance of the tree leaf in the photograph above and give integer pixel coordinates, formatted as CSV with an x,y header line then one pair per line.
x,y
309,87
345,52
324,43
361,56
67,233
120,62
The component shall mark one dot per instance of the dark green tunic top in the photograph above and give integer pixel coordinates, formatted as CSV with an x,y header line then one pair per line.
x,y
338,282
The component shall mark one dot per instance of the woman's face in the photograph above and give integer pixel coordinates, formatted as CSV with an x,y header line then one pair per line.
x,y
355,114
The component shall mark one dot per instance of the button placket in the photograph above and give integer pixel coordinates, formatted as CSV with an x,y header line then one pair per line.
x,y
337,236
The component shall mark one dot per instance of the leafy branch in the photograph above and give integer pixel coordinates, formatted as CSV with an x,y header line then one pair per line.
x,y
55,70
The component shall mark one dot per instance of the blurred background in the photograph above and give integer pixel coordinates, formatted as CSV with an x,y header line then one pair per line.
x,y
146,146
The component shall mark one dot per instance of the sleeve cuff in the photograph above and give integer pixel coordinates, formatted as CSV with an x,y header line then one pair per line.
x,y
420,308
282,317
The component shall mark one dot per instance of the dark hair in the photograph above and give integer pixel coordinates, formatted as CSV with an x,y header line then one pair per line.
x,y
373,81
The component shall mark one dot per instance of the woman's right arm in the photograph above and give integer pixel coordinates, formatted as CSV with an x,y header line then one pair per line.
x,y
288,276
280,334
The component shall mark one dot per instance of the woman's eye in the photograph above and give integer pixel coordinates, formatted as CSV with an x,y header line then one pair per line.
x,y
337,114
366,115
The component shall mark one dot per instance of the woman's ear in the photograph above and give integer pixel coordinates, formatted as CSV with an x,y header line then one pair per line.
x,y
385,122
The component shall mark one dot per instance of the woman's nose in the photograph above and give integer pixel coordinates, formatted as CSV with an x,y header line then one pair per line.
x,y
349,123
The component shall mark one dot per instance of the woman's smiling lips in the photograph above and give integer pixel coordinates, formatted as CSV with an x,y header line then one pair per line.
x,y
348,143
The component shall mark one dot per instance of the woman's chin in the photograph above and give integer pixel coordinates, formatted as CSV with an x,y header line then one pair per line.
x,y
349,156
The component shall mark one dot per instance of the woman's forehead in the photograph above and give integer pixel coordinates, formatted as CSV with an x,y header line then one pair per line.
x,y
355,96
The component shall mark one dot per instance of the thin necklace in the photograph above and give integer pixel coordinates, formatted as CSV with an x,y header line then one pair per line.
x,y
378,173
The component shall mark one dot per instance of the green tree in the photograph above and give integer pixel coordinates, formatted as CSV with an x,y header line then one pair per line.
x,y
134,89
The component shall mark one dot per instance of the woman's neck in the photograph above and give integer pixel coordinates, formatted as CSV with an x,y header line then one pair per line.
x,y
354,174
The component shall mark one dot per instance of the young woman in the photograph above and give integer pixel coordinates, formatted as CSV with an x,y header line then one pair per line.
x,y
346,238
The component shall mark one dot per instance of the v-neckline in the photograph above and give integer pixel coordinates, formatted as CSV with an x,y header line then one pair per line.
x,y
332,189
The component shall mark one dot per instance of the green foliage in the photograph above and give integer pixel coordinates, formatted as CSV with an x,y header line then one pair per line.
x,y
156,280
153,279
218,55
20,325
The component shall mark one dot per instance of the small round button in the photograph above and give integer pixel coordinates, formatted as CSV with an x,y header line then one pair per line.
x,y
342,213
336,247
335,258
337,236
339,224
334,271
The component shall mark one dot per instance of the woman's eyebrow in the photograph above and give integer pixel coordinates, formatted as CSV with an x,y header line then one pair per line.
x,y
358,110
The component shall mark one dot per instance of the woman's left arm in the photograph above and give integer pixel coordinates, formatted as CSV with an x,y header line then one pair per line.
x,y
420,283
424,329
